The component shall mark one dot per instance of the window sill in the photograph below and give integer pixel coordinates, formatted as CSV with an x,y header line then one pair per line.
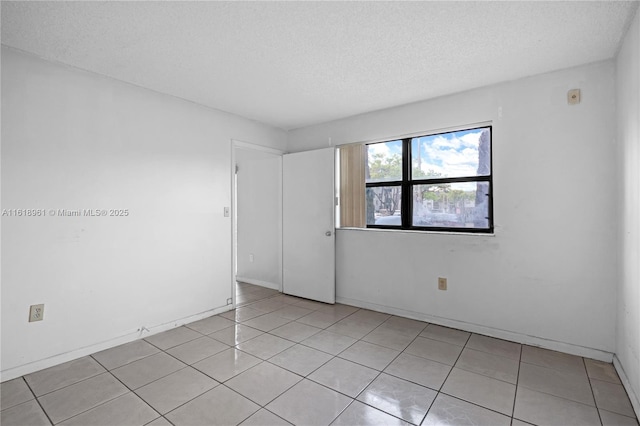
x,y
409,231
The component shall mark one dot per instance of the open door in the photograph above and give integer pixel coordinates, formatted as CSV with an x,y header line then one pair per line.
x,y
308,226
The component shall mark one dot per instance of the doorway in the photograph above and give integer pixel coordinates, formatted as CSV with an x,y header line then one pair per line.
x,y
257,217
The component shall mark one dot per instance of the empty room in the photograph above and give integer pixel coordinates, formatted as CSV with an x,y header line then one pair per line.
x,y
320,213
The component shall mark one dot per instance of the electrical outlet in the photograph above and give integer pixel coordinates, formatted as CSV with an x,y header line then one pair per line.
x,y
251,257
36,313
442,283
573,96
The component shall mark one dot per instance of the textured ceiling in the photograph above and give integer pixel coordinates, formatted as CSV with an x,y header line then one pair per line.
x,y
292,64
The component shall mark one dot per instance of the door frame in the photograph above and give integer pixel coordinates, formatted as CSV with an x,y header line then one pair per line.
x,y
235,145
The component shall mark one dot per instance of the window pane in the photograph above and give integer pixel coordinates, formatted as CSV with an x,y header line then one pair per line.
x,y
451,205
455,154
384,161
383,205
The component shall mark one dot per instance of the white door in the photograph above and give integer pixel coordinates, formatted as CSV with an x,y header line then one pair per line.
x,y
308,225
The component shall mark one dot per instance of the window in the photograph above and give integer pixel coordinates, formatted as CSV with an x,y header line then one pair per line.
x,y
438,182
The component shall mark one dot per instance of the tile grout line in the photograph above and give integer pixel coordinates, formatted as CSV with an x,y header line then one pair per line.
x,y
104,402
69,385
515,395
379,372
257,403
305,378
454,366
565,398
195,397
269,411
37,400
353,401
123,384
386,366
471,402
321,329
439,391
396,357
593,394
81,381
311,372
161,417
160,378
218,383
302,378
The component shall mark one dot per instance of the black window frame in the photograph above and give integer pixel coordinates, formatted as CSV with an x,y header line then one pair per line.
x,y
407,183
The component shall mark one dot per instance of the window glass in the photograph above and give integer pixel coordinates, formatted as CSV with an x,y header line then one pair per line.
x,y
451,205
384,205
384,162
449,155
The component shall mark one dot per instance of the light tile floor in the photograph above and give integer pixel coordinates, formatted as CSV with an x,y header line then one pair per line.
x,y
279,360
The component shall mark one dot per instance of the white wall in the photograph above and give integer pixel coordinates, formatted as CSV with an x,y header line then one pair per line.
x,y
75,140
628,321
548,276
259,216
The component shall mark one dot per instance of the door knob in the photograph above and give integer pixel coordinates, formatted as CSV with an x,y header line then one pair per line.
x,y
328,233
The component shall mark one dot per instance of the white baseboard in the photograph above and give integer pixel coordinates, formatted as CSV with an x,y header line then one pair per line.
x,y
127,337
633,396
274,286
487,331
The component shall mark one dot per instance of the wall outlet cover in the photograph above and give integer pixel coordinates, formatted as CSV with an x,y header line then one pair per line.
x,y
36,312
442,283
573,96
